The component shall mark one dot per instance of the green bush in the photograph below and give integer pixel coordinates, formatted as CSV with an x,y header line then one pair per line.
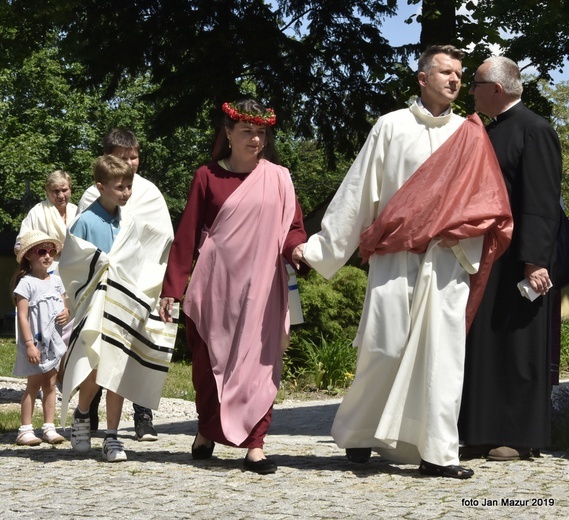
x,y
564,356
321,354
330,364
331,309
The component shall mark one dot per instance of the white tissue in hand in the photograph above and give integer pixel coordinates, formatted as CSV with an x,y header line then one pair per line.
x,y
527,292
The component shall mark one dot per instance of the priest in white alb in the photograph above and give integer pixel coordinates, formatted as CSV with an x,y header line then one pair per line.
x,y
426,204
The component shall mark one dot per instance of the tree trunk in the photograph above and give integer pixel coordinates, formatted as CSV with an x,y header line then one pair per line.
x,y
438,24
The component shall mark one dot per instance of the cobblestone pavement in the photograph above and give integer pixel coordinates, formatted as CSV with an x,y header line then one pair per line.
x,y
314,480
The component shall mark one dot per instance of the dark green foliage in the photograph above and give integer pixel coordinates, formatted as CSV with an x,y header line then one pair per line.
x,y
560,419
564,357
537,31
327,364
321,355
331,309
313,180
324,66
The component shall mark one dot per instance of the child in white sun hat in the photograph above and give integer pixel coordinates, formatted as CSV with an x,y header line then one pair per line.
x,y
42,312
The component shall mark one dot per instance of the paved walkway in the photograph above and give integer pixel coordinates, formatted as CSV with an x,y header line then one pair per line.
x,y
314,480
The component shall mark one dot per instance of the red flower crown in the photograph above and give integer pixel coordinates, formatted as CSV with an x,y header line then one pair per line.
x,y
268,118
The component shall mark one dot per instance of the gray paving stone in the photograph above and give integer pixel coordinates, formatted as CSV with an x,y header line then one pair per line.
x,y
314,480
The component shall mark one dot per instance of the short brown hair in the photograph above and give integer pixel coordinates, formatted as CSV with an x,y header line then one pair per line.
x,y
426,58
109,167
120,138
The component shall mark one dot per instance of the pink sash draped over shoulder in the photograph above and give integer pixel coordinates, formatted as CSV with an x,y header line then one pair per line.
x,y
238,296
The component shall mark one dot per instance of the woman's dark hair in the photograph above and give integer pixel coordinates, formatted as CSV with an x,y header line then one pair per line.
x,y
221,148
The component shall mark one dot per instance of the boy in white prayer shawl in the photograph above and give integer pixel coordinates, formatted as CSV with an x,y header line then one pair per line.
x,y
103,246
152,218
100,224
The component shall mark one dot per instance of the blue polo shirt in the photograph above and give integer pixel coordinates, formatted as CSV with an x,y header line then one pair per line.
x,y
98,226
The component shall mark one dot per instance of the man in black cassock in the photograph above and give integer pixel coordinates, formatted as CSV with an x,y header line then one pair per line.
x,y
506,405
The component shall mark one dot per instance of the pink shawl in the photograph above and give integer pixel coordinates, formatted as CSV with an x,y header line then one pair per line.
x,y
238,296
457,193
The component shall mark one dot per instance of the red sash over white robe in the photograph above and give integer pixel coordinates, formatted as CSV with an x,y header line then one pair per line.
x,y
457,193
238,296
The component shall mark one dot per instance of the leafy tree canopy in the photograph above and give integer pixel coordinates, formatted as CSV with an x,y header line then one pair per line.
x,y
71,69
324,66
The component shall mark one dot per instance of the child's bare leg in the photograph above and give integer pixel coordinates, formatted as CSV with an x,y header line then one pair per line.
x,y
29,398
48,394
114,410
87,391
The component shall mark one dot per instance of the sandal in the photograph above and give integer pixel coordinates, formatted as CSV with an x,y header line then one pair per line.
x,y
426,468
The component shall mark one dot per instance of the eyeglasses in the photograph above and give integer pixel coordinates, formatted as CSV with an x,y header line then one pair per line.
x,y
43,251
474,84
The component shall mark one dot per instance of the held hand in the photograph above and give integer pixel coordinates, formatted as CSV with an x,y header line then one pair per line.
x,y
297,255
33,353
166,306
538,278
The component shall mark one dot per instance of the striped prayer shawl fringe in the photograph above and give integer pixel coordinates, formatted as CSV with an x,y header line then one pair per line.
x,y
117,329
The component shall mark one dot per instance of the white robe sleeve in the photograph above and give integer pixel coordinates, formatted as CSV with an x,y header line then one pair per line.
x,y
352,210
90,195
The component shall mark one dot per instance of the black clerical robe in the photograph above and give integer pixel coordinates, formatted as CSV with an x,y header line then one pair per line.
x,y
506,395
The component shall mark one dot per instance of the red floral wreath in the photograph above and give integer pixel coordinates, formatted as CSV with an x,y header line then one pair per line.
x,y
268,118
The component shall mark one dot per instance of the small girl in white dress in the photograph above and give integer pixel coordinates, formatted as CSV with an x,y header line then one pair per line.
x,y
42,312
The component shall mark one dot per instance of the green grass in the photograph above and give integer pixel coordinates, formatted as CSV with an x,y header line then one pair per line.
x,y
7,356
178,385
327,368
330,364
179,382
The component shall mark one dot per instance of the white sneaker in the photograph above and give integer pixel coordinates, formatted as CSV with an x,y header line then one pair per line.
x,y
51,436
27,438
80,434
113,450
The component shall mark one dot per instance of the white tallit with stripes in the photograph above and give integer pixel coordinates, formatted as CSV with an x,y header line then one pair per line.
x,y
114,299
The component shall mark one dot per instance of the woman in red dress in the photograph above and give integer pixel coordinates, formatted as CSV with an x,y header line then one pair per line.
x,y
241,222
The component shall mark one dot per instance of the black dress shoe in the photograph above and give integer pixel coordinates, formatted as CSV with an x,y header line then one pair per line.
x,y
262,467
359,455
202,452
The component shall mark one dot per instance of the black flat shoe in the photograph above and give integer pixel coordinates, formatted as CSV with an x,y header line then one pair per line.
x,y
426,468
262,467
202,452
358,455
